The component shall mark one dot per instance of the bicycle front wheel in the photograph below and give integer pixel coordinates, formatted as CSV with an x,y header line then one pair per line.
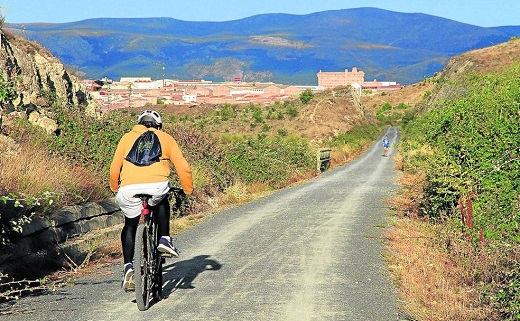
x,y
143,276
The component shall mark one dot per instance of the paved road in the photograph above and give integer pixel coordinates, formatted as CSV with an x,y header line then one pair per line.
x,y
311,252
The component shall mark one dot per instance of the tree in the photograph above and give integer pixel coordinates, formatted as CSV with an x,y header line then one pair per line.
x,y
306,96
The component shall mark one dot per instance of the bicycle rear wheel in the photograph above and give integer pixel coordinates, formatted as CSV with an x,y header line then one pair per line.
x,y
143,277
158,280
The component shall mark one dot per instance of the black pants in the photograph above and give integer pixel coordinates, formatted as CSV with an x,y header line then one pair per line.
x,y
161,212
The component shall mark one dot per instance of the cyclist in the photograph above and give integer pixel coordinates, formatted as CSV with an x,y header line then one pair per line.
x,y
127,179
386,145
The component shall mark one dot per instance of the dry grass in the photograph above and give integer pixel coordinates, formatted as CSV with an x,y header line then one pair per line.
x,y
492,59
432,286
29,170
430,267
410,195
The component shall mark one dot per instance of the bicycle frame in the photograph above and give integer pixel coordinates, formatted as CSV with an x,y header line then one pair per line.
x,y
145,211
147,259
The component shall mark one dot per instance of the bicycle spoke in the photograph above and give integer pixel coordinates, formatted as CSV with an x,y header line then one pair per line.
x,y
142,273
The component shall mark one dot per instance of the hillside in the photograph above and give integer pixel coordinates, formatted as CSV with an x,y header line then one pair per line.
x,y
327,114
489,60
283,48
447,83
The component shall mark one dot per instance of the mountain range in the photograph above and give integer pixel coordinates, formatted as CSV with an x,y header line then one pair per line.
x,y
283,48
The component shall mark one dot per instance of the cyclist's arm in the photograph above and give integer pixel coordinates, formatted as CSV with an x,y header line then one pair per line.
x,y
115,167
181,166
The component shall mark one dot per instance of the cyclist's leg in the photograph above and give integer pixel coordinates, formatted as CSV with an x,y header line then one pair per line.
x,y
131,207
128,238
127,243
162,210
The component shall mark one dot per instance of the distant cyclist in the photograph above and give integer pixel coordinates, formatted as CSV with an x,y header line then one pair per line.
x,y
386,145
128,179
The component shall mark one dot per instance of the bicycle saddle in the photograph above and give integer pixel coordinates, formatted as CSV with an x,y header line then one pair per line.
x,y
143,196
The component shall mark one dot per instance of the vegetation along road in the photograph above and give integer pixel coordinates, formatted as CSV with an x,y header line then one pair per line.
x,y
310,252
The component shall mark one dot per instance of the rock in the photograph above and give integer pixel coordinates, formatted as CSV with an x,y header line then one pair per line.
x,y
44,122
9,146
39,77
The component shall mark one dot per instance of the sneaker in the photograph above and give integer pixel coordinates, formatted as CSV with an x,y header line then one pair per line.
x,y
166,246
128,278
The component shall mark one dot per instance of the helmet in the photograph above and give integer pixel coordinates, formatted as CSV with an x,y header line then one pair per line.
x,y
150,118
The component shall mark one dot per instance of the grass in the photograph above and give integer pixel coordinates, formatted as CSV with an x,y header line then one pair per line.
x,y
30,170
438,271
432,285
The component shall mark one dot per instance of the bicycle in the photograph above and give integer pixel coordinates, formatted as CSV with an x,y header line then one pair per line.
x,y
148,260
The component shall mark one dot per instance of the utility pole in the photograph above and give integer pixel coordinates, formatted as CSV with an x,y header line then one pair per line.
x,y
108,94
163,68
129,95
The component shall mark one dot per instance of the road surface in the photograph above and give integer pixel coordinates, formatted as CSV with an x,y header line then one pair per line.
x,y
310,252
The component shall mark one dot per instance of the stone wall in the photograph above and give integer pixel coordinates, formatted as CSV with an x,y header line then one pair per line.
x,y
47,244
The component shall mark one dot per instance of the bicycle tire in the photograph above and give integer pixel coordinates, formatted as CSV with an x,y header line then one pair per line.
x,y
158,279
157,259
142,262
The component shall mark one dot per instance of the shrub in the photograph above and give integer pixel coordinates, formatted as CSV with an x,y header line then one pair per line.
x,y
355,138
306,96
386,106
7,87
271,160
90,142
469,147
283,132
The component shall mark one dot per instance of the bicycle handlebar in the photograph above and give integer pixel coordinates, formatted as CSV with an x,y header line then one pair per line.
x,y
177,190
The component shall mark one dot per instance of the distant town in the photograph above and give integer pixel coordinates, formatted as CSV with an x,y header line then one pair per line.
x,y
144,91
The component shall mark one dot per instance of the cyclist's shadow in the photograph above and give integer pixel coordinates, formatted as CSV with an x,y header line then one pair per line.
x,y
181,274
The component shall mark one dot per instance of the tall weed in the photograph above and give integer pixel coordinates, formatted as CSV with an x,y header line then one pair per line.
x,y
31,169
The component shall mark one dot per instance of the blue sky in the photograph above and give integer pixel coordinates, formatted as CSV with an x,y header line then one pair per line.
x,y
484,13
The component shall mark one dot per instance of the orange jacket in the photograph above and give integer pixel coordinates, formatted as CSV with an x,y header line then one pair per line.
x,y
124,173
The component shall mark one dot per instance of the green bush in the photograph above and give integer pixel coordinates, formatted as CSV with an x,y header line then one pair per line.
x,y
283,132
258,115
386,106
7,87
206,155
355,138
227,112
470,146
90,142
270,160
306,96
476,142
